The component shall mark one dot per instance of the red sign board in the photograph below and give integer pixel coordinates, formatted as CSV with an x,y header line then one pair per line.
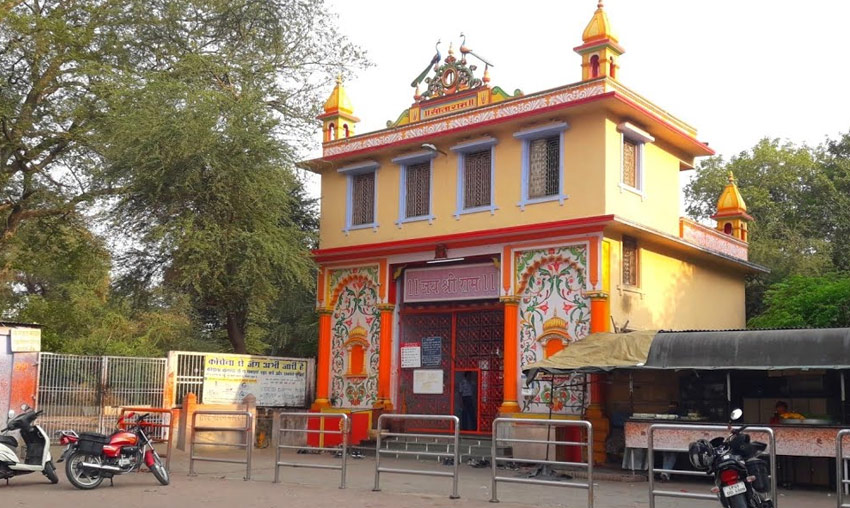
x,y
461,282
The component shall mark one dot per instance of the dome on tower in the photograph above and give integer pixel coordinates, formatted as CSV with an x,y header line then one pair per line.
x,y
599,27
339,101
731,203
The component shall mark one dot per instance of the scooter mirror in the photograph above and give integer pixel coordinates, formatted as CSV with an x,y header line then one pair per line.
x,y
736,414
11,414
24,407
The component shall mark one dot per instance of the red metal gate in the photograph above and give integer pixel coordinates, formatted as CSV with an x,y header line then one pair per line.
x,y
472,338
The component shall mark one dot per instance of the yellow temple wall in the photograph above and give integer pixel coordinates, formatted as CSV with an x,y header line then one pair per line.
x,y
658,206
674,292
584,183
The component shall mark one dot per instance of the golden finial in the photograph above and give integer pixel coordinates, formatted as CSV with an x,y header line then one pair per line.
x,y
599,5
451,49
486,78
731,177
339,78
416,94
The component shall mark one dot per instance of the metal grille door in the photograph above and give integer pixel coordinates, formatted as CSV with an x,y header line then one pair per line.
x,y
85,393
478,340
414,328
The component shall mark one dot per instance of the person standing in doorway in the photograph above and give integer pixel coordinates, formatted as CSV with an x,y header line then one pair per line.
x,y
467,396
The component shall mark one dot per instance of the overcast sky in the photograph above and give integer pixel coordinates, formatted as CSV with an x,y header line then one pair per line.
x,y
737,70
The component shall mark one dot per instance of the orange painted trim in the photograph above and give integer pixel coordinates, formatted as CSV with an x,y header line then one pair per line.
x,y
594,263
469,239
385,355
321,290
383,276
323,368
511,358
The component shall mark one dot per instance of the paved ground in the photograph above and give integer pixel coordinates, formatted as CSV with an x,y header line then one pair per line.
x,y
222,486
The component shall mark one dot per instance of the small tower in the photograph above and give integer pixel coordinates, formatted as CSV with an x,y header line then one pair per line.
x,y
732,218
600,51
338,119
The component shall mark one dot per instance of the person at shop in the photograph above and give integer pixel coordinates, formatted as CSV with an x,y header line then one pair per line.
x,y
668,459
783,462
467,396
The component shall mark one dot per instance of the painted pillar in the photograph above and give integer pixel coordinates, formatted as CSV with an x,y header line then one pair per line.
x,y
324,361
599,322
385,361
511,358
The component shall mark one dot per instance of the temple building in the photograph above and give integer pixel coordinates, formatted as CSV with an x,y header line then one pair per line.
x,y
482,231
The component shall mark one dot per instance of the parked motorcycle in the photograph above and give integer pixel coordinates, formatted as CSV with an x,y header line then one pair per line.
x,y
92,457
38,457
741,474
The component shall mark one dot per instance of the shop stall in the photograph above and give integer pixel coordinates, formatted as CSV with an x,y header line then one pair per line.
x,y
699,376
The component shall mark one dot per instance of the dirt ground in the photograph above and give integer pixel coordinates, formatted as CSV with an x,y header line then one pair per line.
x,y
222,486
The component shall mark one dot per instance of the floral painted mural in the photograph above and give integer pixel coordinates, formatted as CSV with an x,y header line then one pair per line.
x,y
551,286
354,294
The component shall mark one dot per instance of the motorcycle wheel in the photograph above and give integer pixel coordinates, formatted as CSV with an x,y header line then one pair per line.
x,y
79,477
739,501
159,471
50,472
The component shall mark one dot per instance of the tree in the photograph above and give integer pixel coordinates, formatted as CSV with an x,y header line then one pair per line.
x,y
802,302
57,59
792,200
203,148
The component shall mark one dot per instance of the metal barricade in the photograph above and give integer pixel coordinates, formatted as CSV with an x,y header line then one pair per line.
x,y
161,427
707,428
454,437
247,430
344,429
588,444
841,481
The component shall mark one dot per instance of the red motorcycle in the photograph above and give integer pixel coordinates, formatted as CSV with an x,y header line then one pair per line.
x,y
92,457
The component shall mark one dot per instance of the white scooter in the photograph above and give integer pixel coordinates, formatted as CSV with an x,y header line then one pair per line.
x,y
38,457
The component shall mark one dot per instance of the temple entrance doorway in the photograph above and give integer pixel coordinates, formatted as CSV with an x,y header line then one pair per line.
x,y
459,371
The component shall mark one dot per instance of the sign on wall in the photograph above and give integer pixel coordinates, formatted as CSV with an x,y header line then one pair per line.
x,y
432,352
411,357
26,340
460,282
428,381
273,381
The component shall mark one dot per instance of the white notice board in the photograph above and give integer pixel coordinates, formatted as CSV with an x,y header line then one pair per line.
x,y
428,381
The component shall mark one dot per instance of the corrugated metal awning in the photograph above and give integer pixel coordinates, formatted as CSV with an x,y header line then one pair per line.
x,y
815,348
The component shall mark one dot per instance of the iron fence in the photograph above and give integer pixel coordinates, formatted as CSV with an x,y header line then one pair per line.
x,y
841,480
344,429
248,442
587,444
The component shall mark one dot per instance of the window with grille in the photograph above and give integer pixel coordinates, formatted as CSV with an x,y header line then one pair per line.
x,y
363,199
418,192
631,165
544,178
476,179
630,261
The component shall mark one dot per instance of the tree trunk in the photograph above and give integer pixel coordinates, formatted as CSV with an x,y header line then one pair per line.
x,y
236,331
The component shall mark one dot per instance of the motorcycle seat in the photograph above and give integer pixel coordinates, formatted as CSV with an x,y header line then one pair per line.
x,y
9,441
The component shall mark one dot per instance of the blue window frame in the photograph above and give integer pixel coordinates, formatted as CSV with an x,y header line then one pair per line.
x,y
551,191
407,210
357,212
468,202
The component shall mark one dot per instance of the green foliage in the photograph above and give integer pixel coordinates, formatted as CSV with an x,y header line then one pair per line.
x,y
798,210
801,301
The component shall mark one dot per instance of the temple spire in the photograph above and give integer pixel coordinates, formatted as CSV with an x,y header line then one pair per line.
x,y
600,50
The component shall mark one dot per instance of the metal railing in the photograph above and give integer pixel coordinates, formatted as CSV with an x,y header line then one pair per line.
x,y
247,430
454,438
841,482
164,431
588,444
706,428
344,429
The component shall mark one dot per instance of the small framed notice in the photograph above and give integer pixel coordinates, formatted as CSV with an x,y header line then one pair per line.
x,y
25,340
411,355
428,381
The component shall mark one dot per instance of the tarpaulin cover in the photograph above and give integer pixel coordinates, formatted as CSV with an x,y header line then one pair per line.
x,y
817,348
597,352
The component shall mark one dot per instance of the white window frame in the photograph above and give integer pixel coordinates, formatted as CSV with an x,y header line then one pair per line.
x,y
350,172
639,137
529,135
462,149
405,161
